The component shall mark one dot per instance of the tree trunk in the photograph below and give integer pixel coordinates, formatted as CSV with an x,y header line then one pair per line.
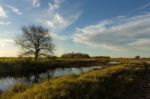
x,y
36,55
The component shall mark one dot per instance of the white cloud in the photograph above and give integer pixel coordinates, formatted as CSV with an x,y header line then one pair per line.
x,y
58,19
5,42
54,5
36,3
2,13
58,23
117,34
4,23
15,10
143,44
7,47
147,5
55,19
59,37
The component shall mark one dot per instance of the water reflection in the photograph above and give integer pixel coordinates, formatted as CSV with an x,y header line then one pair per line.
x,y
7,82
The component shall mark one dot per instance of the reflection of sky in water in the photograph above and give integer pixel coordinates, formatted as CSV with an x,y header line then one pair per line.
x,y
65,71
8,82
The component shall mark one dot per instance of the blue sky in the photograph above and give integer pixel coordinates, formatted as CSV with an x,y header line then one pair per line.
x,y
116,28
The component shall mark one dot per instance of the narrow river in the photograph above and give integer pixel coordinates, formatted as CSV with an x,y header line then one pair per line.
x,y
8,82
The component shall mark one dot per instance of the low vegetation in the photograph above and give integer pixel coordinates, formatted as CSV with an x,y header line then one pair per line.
x,y
113,82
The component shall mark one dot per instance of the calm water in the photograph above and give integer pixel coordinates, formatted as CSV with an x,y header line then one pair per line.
x,y
8,82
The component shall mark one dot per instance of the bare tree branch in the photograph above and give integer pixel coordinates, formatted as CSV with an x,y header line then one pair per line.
x,y
35,40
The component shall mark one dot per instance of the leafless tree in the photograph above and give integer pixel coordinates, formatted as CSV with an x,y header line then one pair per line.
x,y
35,40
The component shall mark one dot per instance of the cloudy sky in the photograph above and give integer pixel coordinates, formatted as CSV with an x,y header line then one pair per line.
x,y
113,28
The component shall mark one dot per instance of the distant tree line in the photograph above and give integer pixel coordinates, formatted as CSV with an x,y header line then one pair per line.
x,y
75,55
137,57
107,57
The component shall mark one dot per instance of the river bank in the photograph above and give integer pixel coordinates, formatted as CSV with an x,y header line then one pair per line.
x,y
113,82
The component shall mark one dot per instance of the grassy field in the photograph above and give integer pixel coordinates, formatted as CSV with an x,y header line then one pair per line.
x,y
113,82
